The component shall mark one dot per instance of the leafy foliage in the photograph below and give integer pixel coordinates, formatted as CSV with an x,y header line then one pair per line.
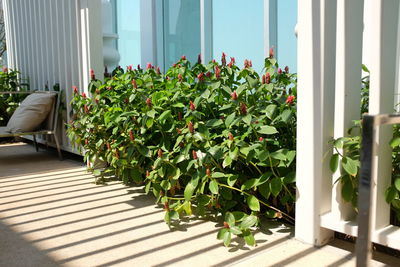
x,y
203,139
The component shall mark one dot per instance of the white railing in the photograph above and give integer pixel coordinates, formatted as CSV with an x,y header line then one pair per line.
x,y
53,42
334,39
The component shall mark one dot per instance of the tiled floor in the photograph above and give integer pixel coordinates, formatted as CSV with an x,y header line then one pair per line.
x,y
52,214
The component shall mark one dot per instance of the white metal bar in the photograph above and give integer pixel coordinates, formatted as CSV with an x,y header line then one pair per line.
x,y
309,126
382,83
348,84
206,30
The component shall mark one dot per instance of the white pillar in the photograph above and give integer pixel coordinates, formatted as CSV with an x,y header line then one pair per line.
x,y
311,195
383,40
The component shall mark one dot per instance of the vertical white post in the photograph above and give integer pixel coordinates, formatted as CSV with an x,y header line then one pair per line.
x,y
382,83
206,31
148,32
310,142
348,84
270,26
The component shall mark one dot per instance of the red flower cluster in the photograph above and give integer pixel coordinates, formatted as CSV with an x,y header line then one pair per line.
x,y
160,153
287,69
75,89
92,75
134,84
248,64
180,77
191,127
271,52
192,106
129,68
223,59
194,154
183,57
230,136
290,99
131,136
199,59
217,72
234,95
200,76
148,102
243,108
279,71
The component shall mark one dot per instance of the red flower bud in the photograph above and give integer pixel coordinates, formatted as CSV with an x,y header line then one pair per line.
x,y
134,84
260,139
199,59
85,108
267,78
223,59
131,136
234,95
192,106
263,79
271,52
178,131
126,100
147,173
138,67
117,153
191,127
129,68
166,206
232,62
180,78
108,146
194,154
83,95
217,72
226,225
158,71
200,76
174,65
181,144
230,136
287,69
5,69
97,91
86,141
208,172
160,153
109,88
208,74
247,63
96,100
290,99
75,90
243,108
148,102
183,57
148,65
92,75
213,61
279,71
179,115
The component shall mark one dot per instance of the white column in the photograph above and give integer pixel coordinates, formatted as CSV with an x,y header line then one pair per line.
x,y
148,32
310,142
383,40
270,26
348,84
206,30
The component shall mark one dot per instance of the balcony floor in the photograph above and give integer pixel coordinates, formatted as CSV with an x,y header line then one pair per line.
x,y
52,214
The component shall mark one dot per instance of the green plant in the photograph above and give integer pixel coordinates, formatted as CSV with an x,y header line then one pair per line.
x,y
9,102
204,139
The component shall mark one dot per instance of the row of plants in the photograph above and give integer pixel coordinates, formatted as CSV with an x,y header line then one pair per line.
x,y
346,160
9,81
205,139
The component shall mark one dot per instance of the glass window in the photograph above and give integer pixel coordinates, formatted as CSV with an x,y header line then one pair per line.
x,y
287,41
238,31
181,30
128,29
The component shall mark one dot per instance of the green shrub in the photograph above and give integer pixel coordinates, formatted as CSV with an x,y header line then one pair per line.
x,y
203,139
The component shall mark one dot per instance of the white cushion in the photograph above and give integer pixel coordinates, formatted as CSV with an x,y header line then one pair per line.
x,y
31,113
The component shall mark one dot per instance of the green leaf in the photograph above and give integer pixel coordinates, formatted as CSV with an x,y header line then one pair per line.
x,y
270,111
286,115
149,122
249,184
221,233
391,194
232,180
164,116
267,130
347,190
190,187
248,222
249,238
214,123
227,162
350,166
235,230
334,163
397,184
239,215
229,119
253,203
213,186
230,219
227,238
395,142
218,175
247,119
276,186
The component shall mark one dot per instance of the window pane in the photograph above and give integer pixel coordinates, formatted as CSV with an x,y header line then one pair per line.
x,y
181,30
238,31
287,41
128,29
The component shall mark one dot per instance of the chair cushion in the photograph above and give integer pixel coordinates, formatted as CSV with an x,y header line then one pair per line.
x,y
31,113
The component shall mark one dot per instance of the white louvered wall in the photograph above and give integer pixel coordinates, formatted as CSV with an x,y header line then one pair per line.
x,y
55,41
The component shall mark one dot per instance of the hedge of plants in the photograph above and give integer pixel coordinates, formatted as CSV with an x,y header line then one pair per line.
x,y
205,139
9,102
